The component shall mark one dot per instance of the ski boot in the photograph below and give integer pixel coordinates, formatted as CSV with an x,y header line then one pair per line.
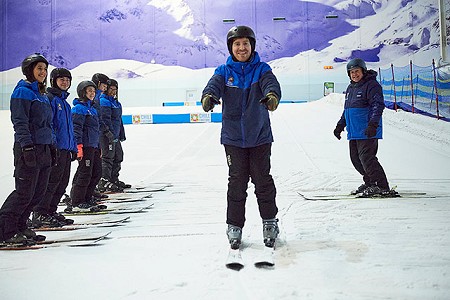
x,y
360,189
122,184
31,235
270,232
43,220
234,234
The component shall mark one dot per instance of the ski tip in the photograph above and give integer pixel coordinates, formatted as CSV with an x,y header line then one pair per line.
x,y
264,264
235,266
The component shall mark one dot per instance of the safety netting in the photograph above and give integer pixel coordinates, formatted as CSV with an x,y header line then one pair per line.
x,y
423,90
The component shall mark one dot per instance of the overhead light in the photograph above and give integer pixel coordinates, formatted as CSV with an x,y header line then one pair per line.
x,y
279,18
331,16
228,20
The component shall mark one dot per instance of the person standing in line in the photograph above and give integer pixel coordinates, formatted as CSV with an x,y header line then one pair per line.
x,y
86,128
45,212
249,90
101,81
110,140
363,109
34,153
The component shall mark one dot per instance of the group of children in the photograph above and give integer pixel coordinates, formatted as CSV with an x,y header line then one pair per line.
x,y
49,134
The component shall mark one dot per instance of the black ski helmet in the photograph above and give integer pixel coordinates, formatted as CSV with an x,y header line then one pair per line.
x,y
240,32
112,82
356,63
28,64
58,73
99,78
81,88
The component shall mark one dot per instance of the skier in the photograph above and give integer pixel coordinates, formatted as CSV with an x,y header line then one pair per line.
x,y
44,213
110,140
363,108
249,90
34,153
87,131
101,82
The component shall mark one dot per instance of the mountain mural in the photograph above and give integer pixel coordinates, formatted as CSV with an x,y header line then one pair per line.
x,y
192,33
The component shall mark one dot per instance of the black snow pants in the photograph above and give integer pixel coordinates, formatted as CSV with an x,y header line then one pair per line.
x,y
363,154
245,163
87,176
30,186
57,184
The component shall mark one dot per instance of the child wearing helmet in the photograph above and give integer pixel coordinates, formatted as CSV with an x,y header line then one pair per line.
x,y
44,213
363,108
86,128
31,115
249,90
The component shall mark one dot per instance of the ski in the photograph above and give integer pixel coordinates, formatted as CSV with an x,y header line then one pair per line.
x,y
234,260
121,198
80,241
359,196
109,211
141,189
85,225
85,239
265,260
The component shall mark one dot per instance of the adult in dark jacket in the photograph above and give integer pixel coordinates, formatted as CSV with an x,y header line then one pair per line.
x,y
86,128
363,108
44,214
113,134
248,89
31,115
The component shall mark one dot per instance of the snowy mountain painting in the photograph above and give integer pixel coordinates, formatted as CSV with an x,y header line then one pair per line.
x,y
137,41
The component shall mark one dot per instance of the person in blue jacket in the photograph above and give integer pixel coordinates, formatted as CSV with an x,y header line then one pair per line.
x,y
45,212
249,90
34,153
113,134
363,108
86,128
101,81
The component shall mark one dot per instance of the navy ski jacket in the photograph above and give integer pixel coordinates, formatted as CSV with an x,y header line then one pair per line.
x,y
241,85
86,124
62,119
31,115
364,104
111,115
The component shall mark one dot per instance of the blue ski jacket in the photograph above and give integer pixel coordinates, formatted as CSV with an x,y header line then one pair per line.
x,y
86,124
111,115
241,85
364,104
62,119
31,115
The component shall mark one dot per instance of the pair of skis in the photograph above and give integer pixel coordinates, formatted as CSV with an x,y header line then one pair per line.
x,y
264,260
360,196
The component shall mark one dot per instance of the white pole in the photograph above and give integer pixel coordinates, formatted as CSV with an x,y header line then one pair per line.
x,y
443,31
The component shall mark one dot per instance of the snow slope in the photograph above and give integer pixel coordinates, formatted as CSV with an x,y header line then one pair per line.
x,y
353,249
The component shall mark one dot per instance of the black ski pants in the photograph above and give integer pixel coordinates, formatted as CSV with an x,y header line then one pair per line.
x,y
112,157
57,184
87,176
363,154
245,163
30,187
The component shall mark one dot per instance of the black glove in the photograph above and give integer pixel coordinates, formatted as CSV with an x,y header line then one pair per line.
x,y
73,155
55,155
208,102
371,130
337,131
110,136
270,101
29,156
